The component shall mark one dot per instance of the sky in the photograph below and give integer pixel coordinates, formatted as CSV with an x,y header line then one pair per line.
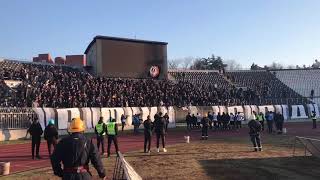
x,y
260,31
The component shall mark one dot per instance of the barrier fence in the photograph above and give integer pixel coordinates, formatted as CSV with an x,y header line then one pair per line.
x,y
123,170
16,118
310,145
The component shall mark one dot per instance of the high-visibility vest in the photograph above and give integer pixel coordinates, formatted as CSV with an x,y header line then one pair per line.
x,y
111,128
260,117
99,128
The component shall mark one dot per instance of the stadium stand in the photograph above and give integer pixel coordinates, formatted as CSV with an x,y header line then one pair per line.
x,y
303,81
267,88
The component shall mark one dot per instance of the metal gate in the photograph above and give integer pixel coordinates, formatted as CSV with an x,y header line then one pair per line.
x,y
16,118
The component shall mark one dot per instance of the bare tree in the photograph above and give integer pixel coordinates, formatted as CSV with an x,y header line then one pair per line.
x,y
173,64
232,65
186,62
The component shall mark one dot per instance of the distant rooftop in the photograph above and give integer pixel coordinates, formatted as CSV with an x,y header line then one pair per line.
x,y
122,39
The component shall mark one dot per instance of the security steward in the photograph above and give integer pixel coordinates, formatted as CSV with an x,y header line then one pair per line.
x,y
254,132
205,126
100,131
75,151
112,131
260,118
51,135
314,120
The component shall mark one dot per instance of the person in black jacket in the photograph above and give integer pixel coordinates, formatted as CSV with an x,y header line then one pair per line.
x,y
51,135
254,132
279,119
166,118
205,125
75,152
188,120
159,127
148,127
35,131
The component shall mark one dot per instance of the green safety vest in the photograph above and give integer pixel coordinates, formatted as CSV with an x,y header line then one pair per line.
x,y
99,128
260,117
111,128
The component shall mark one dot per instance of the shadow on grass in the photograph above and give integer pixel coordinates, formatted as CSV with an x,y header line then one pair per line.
x,y
286,168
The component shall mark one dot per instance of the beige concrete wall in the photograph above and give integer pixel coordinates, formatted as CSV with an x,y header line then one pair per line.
x,y
6,134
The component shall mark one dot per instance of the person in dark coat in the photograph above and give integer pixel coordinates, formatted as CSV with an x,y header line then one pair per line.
x,y
148,127
166,118
35,131
219,119
159,127
254,132
279,120
194,121
314,120
188,121
75,152
205,126
51,135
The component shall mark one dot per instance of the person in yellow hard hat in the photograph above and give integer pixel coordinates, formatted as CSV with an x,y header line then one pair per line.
x,y
75,151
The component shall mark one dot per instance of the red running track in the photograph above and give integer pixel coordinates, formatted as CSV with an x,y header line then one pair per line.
x,y
19,155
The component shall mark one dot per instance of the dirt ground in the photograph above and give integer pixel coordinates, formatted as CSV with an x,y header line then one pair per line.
x,y
230,158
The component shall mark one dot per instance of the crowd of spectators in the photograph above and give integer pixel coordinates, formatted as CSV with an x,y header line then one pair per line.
x,y
45,85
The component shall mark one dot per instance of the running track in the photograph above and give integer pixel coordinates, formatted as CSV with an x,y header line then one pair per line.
x,y
19,155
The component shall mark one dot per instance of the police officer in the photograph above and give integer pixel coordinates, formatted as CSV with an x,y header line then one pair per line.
x,y
35,131
205,126
159,126
112,132
100,131
51,135
75,152
314,119
148,127
254,132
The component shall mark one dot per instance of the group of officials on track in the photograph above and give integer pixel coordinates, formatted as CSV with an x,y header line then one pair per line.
x,y
76,150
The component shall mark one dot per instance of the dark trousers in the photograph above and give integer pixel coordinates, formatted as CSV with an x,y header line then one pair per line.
x,y
100,140
280,127
238,124
115,141
205,132
123,124
255,139
147,142
35,144
270,126
163,138
262,124
52,142
189,126
314,122
79,176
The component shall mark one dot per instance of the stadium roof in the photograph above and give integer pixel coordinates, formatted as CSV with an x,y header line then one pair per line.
x,y
122,39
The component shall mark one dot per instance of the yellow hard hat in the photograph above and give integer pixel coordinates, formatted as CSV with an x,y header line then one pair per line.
x,y
76,125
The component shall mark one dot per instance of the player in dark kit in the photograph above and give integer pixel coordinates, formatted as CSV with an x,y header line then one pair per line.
x,y
255,128
159,127
75,152
148,126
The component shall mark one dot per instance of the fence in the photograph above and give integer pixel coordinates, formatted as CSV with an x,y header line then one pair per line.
x,y
16,118
123,170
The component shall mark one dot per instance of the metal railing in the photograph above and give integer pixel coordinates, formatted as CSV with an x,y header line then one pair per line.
x,y
16,118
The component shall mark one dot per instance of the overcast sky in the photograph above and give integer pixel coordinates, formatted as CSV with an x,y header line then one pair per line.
x,y
261,31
